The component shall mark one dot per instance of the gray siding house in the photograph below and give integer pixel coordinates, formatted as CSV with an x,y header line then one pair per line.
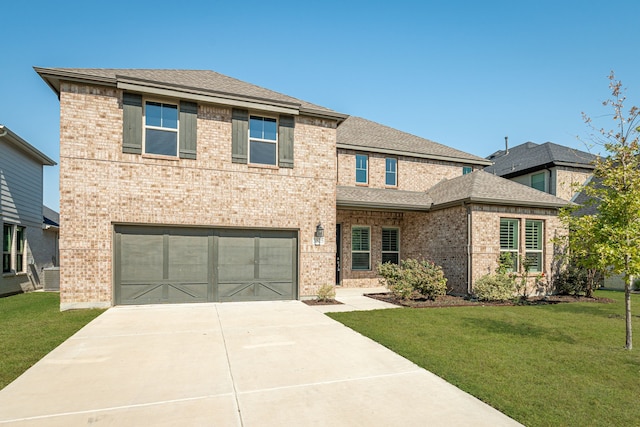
x,y
28,245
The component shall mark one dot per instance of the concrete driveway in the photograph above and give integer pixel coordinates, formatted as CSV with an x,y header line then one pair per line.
x,y
232,364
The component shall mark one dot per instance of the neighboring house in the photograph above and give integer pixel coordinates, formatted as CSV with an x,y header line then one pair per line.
x,y
191,186
547,167
27,245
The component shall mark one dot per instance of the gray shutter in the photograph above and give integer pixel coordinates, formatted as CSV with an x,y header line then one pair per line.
x,y
239,135
188,129
132,123
285,141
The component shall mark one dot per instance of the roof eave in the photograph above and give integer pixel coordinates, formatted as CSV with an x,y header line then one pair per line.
x,y
500,202
25,147
361,205
411,154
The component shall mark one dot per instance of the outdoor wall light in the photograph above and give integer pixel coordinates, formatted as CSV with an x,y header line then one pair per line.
x,y
318,237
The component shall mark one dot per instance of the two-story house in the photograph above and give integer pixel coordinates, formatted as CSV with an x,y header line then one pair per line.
x,y
548,167
28,245
188,186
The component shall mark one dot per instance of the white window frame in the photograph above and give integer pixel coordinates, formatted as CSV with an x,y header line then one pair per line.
x,y
544,181
394,172
361,251
15,267
160,128
8,252
366,169
535,250
515,251
271,141
383,251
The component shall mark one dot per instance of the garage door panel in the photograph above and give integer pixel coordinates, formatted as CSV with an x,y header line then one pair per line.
x,y
255,291
235,259
188,258
141,257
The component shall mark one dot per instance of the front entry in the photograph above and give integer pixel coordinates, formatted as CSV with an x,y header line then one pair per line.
x,y
338,252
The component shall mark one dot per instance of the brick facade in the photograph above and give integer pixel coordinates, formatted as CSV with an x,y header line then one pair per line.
x,y
567,178
413,174
101,186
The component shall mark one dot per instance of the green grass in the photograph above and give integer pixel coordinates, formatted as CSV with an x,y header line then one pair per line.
x,y
31,325
554,365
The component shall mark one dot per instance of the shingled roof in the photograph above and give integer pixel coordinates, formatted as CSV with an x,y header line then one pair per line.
x,y
361,134
529,157
198,84
482,187
380,198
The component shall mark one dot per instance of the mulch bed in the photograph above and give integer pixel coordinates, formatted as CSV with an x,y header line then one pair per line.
x,y
458,301
321,302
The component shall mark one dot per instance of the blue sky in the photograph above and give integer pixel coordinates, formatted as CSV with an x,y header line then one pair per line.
x,y
463,73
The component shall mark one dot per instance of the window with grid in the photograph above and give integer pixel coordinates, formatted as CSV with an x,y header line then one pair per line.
x,y
7,237
390,245
263,140
509,239
533,231
361,168
360,248
391,172
161,128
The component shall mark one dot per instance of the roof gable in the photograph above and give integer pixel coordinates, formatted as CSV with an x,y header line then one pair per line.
x,y
9,137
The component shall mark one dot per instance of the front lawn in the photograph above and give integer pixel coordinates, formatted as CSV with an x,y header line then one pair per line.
x,y
550,365
31,325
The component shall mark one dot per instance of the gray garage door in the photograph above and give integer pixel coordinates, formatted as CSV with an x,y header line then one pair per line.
x,y
177,265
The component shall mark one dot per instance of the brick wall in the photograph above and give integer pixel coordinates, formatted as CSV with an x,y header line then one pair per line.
x,y
413,174
485,222
100,186
566,178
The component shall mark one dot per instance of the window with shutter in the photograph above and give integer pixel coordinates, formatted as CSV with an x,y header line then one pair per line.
x,y
533,245
390,245
509,231
360,248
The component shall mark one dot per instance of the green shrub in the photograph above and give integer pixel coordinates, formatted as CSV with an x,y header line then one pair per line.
x,y
413,279
494,287
326,293
636,284
572,281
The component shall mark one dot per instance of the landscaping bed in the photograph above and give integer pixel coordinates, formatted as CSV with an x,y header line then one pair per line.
x,y
459,301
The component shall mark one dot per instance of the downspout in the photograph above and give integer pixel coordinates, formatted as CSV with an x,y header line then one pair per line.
x,y
469,256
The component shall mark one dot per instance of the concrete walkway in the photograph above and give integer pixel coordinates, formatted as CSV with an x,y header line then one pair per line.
x,y
232,364
353,299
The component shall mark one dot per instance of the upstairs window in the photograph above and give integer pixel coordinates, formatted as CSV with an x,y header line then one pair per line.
x,y
361,168
263,140
466,170
509,241
390,245
161,129
7,238
360,248
391,173
538,181
533,245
